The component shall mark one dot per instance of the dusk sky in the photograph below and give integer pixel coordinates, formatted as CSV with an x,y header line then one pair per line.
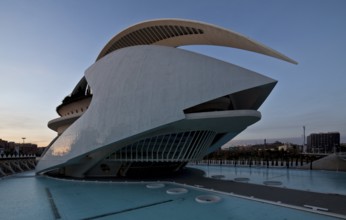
x,y
45,47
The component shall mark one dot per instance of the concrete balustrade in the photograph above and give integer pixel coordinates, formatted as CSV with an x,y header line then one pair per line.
x,y
11,164
256,163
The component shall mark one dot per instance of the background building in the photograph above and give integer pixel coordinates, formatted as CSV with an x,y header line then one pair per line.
x,y
10,148
324,142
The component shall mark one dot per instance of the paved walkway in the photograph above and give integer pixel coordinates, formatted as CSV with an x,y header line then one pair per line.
x,y
334,203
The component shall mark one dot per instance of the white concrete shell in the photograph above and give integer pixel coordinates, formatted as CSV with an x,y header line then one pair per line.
x,y
157,104
179,32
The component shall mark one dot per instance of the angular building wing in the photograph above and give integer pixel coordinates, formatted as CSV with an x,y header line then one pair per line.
x,y
146,106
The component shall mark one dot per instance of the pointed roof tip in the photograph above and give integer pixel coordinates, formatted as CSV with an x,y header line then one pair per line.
x,y
293,62
289,60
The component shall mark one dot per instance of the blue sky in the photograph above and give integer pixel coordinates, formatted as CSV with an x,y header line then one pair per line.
x,y
45,47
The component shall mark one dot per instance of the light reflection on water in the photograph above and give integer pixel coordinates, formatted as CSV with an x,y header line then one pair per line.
x,y
307,180
27,198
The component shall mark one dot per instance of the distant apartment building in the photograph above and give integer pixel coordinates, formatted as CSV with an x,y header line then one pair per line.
x,y
324,142
9,147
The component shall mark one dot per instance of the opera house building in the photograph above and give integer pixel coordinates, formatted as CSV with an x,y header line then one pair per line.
x,y
148,106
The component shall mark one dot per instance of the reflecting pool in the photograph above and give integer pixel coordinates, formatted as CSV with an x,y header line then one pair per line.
x,y
26,196
308,180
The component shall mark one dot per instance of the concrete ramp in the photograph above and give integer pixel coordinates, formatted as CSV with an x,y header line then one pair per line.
x,y
333,162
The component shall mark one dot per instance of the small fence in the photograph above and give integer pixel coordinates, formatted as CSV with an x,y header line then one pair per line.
x,y
16,156
256,163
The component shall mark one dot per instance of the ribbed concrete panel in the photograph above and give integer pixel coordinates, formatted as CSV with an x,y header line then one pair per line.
x,y
179,32
166,148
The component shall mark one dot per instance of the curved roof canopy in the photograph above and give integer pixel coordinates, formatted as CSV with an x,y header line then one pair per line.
x,y
177,32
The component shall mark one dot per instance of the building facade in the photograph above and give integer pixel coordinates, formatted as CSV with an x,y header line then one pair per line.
x,y
324,142
147,106
12,148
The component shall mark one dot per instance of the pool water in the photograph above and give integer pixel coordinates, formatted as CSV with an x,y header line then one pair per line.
x,y
308,180
26,196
